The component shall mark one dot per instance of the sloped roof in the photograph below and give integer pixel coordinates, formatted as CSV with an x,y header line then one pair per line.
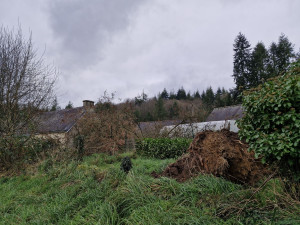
x,y
226,113
59,121
152,125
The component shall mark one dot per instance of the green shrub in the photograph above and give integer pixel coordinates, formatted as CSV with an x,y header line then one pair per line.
x,y
271,122
162,148
79,145
37,146
21,149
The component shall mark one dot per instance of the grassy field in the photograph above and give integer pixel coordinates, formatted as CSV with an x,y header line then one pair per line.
x,y
95,191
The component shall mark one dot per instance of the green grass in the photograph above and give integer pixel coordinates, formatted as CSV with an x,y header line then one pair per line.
x,y
95,191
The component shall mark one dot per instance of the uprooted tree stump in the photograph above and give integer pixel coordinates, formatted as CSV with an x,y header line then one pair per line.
x,y
219,153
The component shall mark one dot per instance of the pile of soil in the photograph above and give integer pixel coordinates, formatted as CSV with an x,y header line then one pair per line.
x,y
219,153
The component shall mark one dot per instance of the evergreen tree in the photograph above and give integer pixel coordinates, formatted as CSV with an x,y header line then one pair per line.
x,y
272,68
172,95
137,115
218,101
259,63
209,97
69,105
285,53
234,96
224,92
197,95
174,110
203,96
181,94
160,109
280,56
149,117
164,94
241,62
144,96
228,99
297,56
188,96
55,105
141,99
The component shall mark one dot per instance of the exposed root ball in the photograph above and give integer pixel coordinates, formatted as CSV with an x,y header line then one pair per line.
x,y
221,154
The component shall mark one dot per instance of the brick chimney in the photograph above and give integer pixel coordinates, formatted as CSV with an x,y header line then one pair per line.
x,y
88,103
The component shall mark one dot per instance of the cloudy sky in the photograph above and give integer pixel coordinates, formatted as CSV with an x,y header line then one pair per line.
x,y
127,46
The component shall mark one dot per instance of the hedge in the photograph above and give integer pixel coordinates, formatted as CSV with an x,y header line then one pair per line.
x,y
162,148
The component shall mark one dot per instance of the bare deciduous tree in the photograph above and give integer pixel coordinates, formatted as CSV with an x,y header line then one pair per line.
x,y
26,87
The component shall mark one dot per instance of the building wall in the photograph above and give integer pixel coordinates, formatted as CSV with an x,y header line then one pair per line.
x,y
61,137
190,130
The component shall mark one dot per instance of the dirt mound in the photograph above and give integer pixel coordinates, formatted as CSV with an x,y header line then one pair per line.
x,y
221,154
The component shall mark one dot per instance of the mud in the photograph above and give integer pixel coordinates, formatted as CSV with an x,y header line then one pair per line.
x,y
219,153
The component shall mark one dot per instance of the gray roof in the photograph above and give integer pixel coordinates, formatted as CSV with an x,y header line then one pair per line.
x,y
152,125
59,121
226,113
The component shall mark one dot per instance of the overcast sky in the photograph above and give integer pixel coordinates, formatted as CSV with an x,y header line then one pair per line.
x,y
127,46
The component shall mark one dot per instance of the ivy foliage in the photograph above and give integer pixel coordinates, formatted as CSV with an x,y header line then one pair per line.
x,y
271,122
79,145
162,148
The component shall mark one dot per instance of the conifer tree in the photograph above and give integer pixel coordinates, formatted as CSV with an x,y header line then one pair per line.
x,y
174,110
241,62
218,101
172,95
55,105
228,99
197,95
280,56
209,97
203,96
160,109
285,53
259,63
69,105
164,94
189,96
181,94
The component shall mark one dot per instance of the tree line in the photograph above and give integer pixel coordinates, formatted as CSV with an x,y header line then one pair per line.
x,y
252,67
170,105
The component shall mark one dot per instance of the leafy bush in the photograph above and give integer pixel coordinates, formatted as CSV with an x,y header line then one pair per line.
x,y
162,148
79,145
271,122
11,150
24,150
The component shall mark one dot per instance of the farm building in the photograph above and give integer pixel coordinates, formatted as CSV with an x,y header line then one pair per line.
x,y
60,125
220,118
152,129
226,113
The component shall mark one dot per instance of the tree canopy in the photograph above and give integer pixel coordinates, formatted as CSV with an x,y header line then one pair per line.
x,y
253,67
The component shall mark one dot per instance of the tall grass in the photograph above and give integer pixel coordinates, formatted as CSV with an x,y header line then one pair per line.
x,y
96,191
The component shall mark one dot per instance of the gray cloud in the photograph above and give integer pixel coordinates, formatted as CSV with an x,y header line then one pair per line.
x,y
133,45
83,27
